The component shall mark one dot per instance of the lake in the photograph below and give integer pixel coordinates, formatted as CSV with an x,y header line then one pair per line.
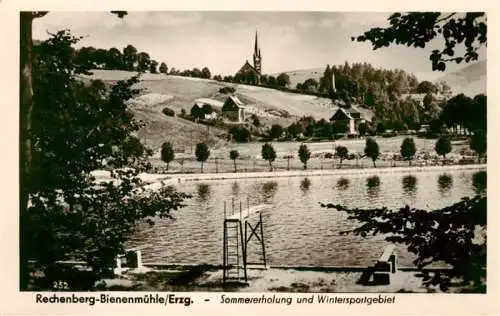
x,y
297,230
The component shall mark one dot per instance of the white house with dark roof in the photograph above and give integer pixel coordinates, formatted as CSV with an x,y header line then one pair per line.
x,y
234,109
351,117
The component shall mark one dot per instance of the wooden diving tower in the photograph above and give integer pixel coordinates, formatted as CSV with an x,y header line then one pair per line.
x,y
239,228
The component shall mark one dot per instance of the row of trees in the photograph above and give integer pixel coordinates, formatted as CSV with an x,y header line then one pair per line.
x,y
408,150
280,81
129,58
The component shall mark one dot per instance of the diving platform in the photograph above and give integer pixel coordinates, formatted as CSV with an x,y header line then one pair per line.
x,y
239,228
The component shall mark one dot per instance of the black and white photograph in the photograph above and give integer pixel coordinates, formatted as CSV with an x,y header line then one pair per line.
x,y
253,151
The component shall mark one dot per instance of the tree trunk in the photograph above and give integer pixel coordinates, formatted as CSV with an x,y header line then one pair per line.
x,y
340,166
26,109
234,161
167,166
305,165
270,165
374,166
202,167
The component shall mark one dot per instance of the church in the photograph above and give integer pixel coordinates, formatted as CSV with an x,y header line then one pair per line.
x,y
251,74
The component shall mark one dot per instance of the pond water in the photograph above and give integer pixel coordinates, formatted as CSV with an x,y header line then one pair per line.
x,y
297,230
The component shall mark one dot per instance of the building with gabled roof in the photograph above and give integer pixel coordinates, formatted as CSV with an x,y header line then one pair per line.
x,y
233,109
350,118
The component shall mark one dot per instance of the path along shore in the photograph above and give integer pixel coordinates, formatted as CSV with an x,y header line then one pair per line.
x,y
155,181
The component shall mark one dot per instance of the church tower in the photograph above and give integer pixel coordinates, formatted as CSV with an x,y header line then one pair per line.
x,y
257,58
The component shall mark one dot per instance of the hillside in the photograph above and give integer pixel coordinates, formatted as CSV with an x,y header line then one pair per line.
x,y
179,93
470,80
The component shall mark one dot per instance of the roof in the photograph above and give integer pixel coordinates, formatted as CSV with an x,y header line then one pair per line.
x,y
236,101
212,102
363,113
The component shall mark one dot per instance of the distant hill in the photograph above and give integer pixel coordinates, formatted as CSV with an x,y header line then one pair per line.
x,y
299,76
470,80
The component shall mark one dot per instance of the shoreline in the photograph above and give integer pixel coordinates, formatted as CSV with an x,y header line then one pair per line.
x,y
155,180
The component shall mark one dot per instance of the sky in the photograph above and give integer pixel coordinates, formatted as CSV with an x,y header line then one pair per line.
x,y
223,40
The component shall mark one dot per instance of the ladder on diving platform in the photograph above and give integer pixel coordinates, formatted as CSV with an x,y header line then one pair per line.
x,y
238,231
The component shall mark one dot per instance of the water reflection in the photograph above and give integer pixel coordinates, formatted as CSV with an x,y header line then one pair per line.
x,y
445,182
269,189
410,184
203,191
305,184
373,187
235,188
479,182
343,184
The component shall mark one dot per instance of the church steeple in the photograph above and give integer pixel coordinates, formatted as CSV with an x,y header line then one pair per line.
x,y
257,58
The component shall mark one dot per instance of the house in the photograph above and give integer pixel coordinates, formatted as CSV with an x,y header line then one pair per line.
x,y
233,109
350,118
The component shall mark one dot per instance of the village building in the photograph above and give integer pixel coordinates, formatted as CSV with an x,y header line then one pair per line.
x,y
233,109
248,73
350,118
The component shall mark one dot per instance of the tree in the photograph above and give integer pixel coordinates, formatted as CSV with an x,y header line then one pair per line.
x,y
271,81
362,128
461,32
152,66
478,144
255,120
454,235
26,109
196,111
372,150
283,80
304,154
240,134
294,130
443,146
426,87
205,73
233,155
408,149
310,85
167,153
381,128
202,152
143,62
130,57
342,153
163,68
77,128
268,153
276,131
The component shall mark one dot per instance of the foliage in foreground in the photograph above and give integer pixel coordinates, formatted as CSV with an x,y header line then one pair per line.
x,y
454,235
77,128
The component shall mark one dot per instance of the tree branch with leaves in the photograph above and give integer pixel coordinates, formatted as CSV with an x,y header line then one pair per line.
x,y
467,32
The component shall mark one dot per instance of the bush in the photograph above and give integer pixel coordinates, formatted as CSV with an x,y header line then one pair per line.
x,y
239,134
168,112
227,90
